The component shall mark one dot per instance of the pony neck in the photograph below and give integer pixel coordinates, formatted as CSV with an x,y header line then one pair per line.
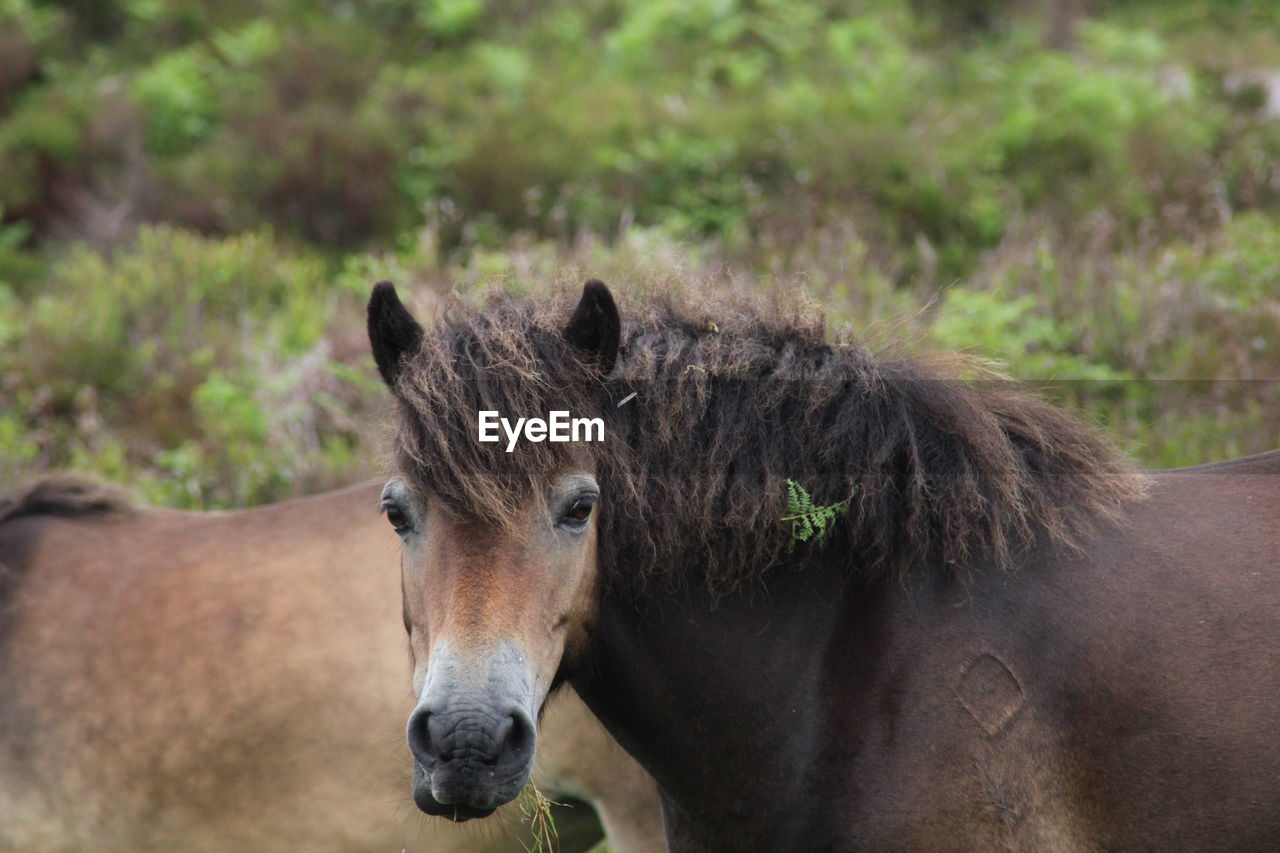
x,y
725,695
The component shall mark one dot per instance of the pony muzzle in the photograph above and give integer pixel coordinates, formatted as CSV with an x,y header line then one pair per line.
x,y
473,749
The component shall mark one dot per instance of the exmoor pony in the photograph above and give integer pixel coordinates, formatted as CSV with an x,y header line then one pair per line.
x,y
992,634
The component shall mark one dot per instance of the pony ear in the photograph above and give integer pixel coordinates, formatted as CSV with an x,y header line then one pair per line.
x,y
595,327
393,333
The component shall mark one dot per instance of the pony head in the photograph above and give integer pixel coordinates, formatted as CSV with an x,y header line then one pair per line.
x,y
499,561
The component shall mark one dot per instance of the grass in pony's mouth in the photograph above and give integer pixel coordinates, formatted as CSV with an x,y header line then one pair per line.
x,y
536,809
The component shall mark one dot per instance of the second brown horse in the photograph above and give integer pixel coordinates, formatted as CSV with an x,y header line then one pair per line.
x,y
231,681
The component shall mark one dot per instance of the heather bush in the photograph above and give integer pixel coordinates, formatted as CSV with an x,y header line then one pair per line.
x,y
202,370
194,198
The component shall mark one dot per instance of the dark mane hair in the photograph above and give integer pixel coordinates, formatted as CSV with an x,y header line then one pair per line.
x,y
732,399
66,495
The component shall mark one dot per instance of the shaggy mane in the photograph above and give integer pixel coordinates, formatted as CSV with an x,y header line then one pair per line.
x,y
67,495
732,400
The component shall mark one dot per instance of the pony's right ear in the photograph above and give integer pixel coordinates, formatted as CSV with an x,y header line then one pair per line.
x,y
393,333
595,328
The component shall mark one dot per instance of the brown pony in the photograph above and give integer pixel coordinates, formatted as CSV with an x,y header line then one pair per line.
x,y
832,601
234,681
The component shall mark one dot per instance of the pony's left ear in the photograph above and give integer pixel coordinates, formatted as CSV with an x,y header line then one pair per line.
x,y
595,327
393,333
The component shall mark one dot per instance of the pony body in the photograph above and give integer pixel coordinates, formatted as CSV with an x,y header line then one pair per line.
x,y
1010,639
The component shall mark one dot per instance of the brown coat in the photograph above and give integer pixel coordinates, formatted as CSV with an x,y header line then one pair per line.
x,y
238,681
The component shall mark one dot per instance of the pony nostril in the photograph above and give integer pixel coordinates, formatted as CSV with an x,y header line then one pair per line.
x,y
421,744
516,747
502,734
522,734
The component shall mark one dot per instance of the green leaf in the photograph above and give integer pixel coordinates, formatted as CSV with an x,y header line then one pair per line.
x,y
808,520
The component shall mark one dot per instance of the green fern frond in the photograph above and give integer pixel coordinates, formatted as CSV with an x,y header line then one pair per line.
x,y
809,521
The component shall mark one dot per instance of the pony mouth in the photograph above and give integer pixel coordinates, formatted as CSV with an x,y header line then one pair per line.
x,y
469,805
456,812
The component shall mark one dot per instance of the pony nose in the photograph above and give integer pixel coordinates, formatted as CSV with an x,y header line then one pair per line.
x,y
503,742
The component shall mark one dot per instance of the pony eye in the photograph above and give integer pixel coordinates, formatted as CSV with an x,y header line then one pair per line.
x,y
580,510
397,518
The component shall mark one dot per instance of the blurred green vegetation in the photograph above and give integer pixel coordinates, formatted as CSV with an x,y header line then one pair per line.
x,y
195,196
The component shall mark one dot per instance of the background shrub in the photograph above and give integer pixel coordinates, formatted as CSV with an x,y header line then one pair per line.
x,y
194,198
